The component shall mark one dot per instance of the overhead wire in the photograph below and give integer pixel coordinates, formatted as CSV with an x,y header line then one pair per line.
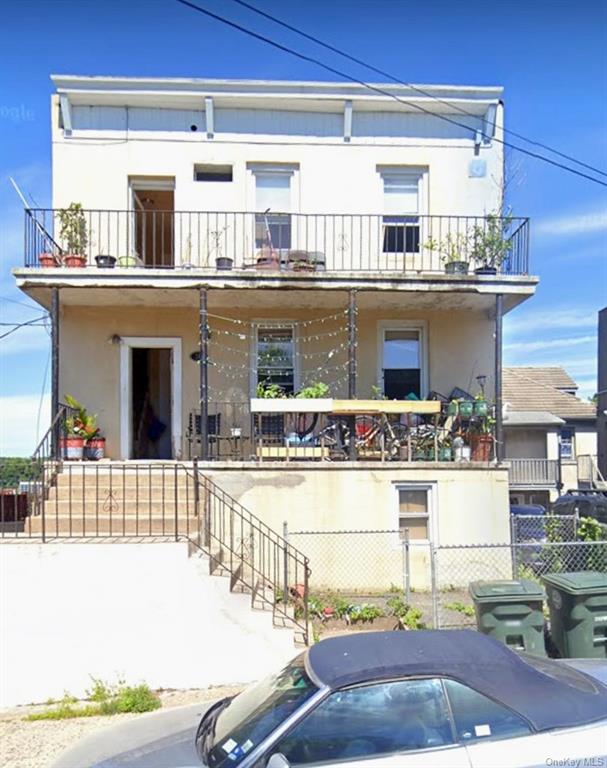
x,y
377,89
411,86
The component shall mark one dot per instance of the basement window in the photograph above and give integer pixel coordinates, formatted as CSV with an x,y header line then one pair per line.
x,y
213,173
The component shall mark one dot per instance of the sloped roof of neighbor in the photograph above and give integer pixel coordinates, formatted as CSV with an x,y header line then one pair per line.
x,y
523,392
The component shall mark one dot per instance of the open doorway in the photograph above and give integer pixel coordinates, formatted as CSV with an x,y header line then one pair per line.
x,y
150,399
154,211
151,432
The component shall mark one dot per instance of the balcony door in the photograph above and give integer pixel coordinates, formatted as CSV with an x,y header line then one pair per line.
x,y
154,221
402,361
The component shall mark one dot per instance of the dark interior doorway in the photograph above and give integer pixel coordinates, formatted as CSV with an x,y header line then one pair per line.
x,y
154,226
151,404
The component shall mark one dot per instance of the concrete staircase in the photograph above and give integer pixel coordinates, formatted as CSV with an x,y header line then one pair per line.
x,y
119,500
126,501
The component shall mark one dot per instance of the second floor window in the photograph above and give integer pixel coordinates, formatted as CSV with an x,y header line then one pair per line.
x,y
567,443
273,204
401,232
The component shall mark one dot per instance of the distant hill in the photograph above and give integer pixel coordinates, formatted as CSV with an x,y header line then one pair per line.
x,y
14,469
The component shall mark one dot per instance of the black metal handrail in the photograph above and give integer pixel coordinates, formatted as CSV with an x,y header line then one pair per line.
x,y
293,242
256,557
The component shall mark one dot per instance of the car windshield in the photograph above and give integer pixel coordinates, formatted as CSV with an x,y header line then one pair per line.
x,y
253,714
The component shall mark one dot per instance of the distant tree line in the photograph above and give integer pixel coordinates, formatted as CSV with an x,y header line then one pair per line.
x,y
13,469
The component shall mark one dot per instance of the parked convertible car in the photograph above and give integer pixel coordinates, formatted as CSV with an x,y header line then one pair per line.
x,y
445,699
399,699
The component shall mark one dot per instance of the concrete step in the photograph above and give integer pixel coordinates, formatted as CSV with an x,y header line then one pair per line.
x,y
107,505
108,526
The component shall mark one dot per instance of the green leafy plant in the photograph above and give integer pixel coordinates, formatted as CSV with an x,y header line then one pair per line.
x,y
315,390
453,247
406,616
80,423
490,242
73,229
467,610
267,390
103,699
364,613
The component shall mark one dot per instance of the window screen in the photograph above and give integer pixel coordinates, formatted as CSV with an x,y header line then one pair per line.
x,y
275,357
413,512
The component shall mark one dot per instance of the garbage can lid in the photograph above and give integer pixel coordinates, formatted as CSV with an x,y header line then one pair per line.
x,y
505,591
578,582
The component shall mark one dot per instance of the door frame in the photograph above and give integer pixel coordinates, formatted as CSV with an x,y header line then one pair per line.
x,y
404,325
126,388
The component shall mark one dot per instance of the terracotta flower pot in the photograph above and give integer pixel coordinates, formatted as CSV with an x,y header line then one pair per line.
x,y
72,448
95,449
47,260
74,260
481,447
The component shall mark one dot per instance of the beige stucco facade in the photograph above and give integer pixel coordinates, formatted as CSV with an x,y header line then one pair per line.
x,y
456,346
468,504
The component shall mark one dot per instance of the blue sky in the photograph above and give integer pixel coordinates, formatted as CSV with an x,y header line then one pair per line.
x,y
551,57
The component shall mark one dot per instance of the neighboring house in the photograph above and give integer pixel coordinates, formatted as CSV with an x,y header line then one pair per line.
x,y
283,233
601,405
550,433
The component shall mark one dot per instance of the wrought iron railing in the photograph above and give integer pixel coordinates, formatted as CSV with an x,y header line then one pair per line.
x,y
288,242
119,500
534,472
257,559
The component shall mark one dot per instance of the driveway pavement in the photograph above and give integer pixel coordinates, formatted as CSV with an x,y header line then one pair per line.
x,y
163,739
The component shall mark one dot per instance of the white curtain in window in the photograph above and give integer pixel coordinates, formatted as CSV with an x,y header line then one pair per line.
x,y
273,191
401,193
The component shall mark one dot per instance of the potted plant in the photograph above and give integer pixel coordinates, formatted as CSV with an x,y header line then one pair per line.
x,y
453,251
104,261
466,408
490,244
72,444
48,259
94,446
128,261
481,406
481,438
74,234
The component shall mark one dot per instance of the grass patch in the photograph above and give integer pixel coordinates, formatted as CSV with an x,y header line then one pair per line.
x,y
103,699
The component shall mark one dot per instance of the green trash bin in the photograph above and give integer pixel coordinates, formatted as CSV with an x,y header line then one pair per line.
x,y
511,611
578,613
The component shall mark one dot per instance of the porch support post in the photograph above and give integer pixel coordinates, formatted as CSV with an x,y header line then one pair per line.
x,y
499,428
55,369
203,329
352,343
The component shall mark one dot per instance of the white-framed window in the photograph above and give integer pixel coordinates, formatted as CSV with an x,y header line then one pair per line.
x,y
402,356
274,192
414,511
568,443
274,356
402,206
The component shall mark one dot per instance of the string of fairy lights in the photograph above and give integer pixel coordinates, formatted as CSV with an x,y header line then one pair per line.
x,y
326,364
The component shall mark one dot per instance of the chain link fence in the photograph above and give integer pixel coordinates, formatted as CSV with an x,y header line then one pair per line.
x,y
371,566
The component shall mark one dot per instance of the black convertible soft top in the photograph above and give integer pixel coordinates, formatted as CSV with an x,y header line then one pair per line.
x,y
476,660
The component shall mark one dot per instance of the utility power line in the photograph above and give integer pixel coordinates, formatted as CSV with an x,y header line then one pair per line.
x,y
413,87
375,88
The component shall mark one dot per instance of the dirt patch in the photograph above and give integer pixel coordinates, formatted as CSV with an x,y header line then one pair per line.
x,y
37,744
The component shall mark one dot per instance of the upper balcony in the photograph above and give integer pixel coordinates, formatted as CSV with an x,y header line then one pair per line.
x,y
278,244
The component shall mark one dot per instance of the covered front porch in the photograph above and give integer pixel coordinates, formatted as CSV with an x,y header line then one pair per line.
x,y
274,372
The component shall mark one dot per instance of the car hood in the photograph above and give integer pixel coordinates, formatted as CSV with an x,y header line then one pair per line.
x,y
163,739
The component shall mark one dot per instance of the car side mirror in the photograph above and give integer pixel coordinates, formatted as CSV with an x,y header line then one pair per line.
x,y
278,760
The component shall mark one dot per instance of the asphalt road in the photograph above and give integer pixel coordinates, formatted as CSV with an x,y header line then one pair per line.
x,y
162,739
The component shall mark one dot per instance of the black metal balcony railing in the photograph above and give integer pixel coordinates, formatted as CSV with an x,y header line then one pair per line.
x,y
297,242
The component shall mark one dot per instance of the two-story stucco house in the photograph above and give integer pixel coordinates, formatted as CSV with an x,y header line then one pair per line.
x,y
212,244
246,233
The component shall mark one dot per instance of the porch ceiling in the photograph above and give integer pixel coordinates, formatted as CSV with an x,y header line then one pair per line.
x,y
275,298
